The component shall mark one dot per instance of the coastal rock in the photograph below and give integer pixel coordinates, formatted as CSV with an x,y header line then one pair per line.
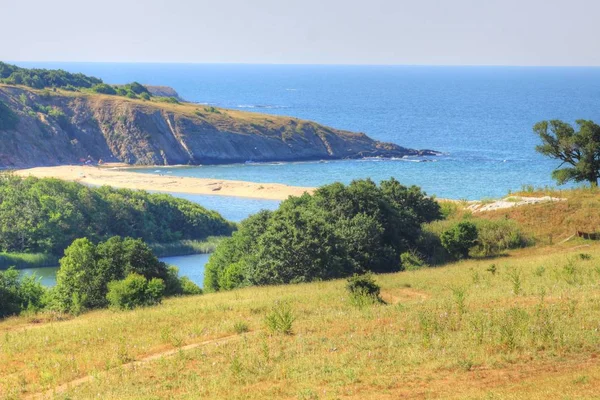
x,y
95,127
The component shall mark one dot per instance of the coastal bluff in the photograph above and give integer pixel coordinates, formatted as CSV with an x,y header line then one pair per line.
x,y
57,127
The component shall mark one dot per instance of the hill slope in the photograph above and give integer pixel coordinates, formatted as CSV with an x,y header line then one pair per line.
x,y
63,127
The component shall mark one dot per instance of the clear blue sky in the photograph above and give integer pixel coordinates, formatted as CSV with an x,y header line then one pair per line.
x,y
436,32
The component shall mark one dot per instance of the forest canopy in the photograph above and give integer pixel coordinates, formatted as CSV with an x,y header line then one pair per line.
x,y
47,215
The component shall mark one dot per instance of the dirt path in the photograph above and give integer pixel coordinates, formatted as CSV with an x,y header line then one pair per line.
x,y
48,394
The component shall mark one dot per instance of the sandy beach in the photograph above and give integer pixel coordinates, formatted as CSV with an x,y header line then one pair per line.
x,y
120,178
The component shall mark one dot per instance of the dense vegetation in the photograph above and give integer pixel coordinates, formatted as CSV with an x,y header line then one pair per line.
x,y
580,150
338,231
44,78
122,273
46,215
50,78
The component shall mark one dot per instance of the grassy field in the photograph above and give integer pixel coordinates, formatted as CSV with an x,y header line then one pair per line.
x,y
27,260
521,326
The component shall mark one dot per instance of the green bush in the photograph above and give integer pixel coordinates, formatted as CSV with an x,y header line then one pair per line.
x,y
496,236
280,319
104,89
17,295
135,291
411,260
363,290
459,239
59,116
188,287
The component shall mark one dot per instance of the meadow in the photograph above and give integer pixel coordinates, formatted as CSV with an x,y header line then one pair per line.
x,y
521,326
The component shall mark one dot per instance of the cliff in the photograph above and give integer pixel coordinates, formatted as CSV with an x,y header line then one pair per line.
x,y
43,128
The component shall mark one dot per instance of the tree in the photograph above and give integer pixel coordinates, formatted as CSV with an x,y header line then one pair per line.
x,y
580,150
459,239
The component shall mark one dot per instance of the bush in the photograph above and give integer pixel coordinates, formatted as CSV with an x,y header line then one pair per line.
x,y
496,236
411,260
459,239
104,88
363,290
280,319
188,287
135,291
17,295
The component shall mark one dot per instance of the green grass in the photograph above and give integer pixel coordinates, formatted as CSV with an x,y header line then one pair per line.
x,y
459,331
187,247
26,260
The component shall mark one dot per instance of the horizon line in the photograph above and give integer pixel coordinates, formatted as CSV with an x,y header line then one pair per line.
x,y
308,64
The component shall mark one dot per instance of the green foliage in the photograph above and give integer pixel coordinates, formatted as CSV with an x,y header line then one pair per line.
x,y
59,116
579,149
43,78
135,291
17,295
240,327
86,271
459,239
26,260
189,288
280,319
496,236
46,215
412,260
337,231
171,100
8,119
363,290
104,88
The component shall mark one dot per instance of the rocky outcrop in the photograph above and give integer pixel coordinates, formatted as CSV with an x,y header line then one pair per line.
x,y
67,127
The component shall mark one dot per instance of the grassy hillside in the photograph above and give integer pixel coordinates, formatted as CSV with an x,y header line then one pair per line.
x,y
526,327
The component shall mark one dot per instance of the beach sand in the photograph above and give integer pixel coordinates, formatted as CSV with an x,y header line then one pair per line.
x,y
119,178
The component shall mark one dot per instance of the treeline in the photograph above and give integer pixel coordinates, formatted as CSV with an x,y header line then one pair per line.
x,y
344,230
47,215
44,78
38,78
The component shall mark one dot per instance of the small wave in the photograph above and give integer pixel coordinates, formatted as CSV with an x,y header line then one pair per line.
x,y
263,106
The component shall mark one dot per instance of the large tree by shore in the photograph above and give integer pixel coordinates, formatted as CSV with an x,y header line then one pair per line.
x,y
579,150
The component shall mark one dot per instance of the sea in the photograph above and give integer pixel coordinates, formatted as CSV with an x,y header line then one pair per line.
x,y
479,118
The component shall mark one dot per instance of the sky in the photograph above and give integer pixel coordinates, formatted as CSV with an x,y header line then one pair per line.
x,y
417,32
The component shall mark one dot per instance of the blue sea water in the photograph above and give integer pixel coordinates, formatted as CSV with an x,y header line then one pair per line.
x,y
480,117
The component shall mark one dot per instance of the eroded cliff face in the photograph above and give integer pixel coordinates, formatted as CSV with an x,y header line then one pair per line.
x,y
56,128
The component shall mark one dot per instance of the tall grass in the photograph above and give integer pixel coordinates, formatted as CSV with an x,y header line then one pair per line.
x,y
515,331
186,247
25,260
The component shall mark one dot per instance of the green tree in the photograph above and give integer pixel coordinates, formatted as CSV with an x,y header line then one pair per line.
x,y
135,291
459,239
579,150
18,294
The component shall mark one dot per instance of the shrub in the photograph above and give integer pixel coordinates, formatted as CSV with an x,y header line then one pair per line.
x,y
135,291
188,287
104,88
280,319
145,96
495,236
240,327
17,295
411,260
459,239
363,290
59,116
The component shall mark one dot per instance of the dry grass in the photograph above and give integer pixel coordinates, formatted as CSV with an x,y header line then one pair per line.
x,y
455,332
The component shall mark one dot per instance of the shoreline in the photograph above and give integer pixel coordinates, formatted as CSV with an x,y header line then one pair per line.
x,y
113,175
